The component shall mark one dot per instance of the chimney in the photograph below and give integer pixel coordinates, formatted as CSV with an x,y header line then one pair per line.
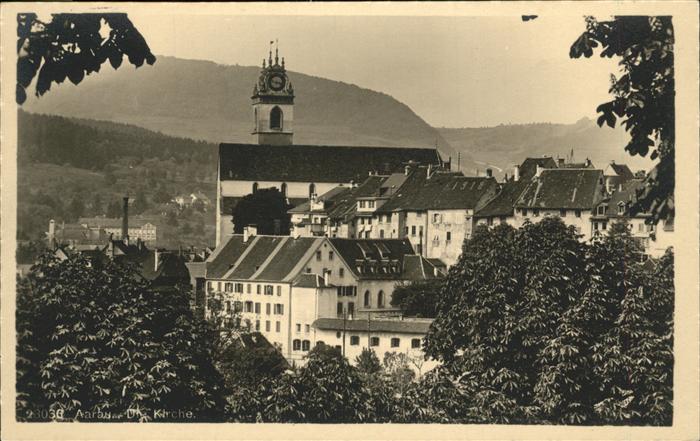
x,y
407,170
52,233
428,171
156,258
538,171
588,162
125,221
560,162
489,173
327,278
249,231
516,173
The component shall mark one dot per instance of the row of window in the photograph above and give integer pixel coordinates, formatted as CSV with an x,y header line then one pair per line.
x,y
238,306
283,188
319,255
375,341
341,271
278,326
240,288
305,345
307,328
536,212
366,204
347,291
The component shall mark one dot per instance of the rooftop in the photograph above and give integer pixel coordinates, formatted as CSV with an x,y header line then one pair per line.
x,y
566,188
441,191
410,326
291,163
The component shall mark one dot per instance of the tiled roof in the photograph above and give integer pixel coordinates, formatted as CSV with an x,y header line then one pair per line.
x,y
306,280
563,189
345,206
502,204
417,267
373,258
286,258
269,258
171,268
261,249
442,191
528,168
314,163
622,171
377,325
626,196
329,198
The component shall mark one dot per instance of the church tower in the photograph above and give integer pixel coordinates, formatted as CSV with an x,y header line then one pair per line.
x,y
273,103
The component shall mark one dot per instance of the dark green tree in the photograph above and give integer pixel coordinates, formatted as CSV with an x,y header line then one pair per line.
x,y
367,362
643,95
418,298
267,209
94,338
534,326
71,46
325,390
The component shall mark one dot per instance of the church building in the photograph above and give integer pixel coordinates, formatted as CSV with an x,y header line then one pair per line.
x,y
298,171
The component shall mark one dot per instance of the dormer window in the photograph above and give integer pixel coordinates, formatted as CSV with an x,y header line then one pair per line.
x,y
621,208
601,210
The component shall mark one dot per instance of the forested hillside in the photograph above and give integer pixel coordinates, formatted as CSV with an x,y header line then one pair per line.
x,y
68,168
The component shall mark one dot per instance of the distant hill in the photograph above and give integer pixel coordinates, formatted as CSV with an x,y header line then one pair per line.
x,y
211,102
505,145
68,168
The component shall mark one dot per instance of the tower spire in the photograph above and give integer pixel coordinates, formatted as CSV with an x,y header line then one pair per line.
x,y
276,51
269,60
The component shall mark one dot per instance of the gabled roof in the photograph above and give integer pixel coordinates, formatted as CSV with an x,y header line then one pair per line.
x,y
315,163
528,168
502,204
417,267
345,205
328,198
622,171
265,258
374,258
441,191
625,196
410,326
306,280
563,189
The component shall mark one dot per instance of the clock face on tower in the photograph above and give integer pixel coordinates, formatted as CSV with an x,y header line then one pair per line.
x,y
276,82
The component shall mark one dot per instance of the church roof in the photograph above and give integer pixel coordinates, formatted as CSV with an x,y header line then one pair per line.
x,y
315,163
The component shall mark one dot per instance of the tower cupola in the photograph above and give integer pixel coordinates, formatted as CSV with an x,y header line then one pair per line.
x,y
273,102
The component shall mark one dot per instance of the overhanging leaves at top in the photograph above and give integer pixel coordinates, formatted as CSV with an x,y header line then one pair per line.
x,y
73,46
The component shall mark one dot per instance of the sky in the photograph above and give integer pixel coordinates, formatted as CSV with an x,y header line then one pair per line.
x,y
451,71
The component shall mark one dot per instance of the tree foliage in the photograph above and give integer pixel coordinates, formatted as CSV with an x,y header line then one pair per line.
x,y
96,342
535,326
73,46
418,298
266,209
643,95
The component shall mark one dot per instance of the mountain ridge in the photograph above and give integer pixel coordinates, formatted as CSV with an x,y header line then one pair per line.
x,y
209,101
